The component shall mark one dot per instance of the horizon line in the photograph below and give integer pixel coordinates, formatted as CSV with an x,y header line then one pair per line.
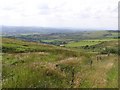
x,y
70,28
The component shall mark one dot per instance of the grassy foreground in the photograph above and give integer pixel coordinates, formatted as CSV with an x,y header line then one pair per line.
x,y
34,65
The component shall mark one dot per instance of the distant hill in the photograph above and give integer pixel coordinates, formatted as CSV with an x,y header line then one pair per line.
x,y
17,30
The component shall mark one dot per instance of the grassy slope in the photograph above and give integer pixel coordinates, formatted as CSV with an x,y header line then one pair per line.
x,y
28,64
88,42
82,43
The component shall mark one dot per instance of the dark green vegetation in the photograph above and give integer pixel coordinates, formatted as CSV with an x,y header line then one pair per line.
x,y
36,65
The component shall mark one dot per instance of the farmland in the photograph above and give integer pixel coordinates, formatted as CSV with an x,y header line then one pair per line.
x,y
88,42
83,43
66,37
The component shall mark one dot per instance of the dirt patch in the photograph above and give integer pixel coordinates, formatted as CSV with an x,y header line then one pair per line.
x,y
69,61
109,65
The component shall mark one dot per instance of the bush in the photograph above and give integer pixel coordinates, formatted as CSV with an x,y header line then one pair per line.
x,y
114,50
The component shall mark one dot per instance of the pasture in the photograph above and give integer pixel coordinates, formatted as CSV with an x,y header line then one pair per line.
x,y
89,42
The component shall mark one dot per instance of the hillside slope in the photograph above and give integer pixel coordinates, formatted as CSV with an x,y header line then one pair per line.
x,y
35,65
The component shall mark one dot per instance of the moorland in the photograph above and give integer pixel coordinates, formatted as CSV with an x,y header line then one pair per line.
x,y
72,59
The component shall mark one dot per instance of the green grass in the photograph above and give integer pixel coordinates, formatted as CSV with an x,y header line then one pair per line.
x,y
89,42
48,40
83,43
35,65
112,76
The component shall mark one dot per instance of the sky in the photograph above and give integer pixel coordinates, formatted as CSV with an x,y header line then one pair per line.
x,y
81,14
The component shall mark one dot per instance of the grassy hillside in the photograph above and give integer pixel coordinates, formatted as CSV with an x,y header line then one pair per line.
x,y
82,43
35,65
97,45
89,42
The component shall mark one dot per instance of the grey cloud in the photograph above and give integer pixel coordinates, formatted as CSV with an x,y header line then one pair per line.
x,y
85,15
44,9
115,9
44,12
8,8
111,9
44,6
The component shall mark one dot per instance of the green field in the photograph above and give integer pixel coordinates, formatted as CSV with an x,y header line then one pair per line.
x,y
48,40
88,42
82,43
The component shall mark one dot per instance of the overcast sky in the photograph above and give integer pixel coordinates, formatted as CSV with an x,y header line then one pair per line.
x,y
85,14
